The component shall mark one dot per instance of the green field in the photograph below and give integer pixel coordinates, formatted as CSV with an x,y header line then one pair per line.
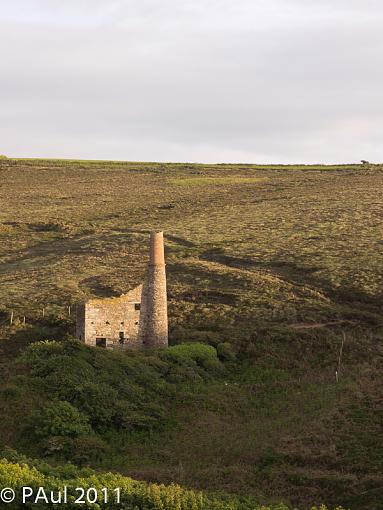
x,y
271,266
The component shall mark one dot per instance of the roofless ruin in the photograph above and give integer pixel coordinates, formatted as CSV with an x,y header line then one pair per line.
x,y
136,319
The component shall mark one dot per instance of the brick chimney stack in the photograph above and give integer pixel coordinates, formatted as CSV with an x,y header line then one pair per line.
x,y
154,313
157,253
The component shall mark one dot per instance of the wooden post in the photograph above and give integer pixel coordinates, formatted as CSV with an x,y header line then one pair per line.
x,y
11,321
69,310
24,320
337,373
43,312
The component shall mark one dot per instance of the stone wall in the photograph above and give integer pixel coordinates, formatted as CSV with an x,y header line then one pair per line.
x,y
112,322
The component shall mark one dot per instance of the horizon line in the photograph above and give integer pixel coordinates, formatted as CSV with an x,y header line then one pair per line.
x,y
159,162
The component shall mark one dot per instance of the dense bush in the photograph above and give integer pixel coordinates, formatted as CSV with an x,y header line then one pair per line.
x,y
60,418
194,351
102,391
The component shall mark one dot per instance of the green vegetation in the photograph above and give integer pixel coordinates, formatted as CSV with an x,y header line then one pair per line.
x,y
20,471
58,418
85,399
269,269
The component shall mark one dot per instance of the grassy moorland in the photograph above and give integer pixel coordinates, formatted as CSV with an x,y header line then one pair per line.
x,y
270,269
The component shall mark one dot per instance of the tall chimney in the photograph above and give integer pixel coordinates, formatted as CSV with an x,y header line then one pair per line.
x,y
154,310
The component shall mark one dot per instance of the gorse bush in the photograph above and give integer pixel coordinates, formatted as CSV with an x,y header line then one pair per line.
x,y
134,495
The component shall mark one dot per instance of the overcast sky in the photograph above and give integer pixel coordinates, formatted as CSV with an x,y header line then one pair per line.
x,y
192,80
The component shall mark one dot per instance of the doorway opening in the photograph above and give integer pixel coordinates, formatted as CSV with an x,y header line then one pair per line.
x,y
101,342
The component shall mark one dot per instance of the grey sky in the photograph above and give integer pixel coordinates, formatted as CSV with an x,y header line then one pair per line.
x,y
192,80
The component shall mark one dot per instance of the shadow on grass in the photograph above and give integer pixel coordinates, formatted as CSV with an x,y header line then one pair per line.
x,y
305,276
14,340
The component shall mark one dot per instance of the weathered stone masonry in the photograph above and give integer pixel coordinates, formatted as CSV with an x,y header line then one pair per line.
x,y
112,322
154,315
135,319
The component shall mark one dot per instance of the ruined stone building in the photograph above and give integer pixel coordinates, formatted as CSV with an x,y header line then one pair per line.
x,y
135,319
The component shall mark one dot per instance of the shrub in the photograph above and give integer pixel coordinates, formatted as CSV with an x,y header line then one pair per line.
x,y
42,349
54,445
131,417
184,370
80,450
42,356
226,352
97,402
84,449
60,418
194,351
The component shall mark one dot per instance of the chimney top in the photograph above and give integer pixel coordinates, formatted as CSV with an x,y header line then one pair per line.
x,y
157,255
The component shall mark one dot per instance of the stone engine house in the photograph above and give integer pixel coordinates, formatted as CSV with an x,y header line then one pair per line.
x,y
136,319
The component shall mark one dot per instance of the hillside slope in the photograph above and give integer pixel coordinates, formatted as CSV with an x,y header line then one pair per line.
x,y
269,271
